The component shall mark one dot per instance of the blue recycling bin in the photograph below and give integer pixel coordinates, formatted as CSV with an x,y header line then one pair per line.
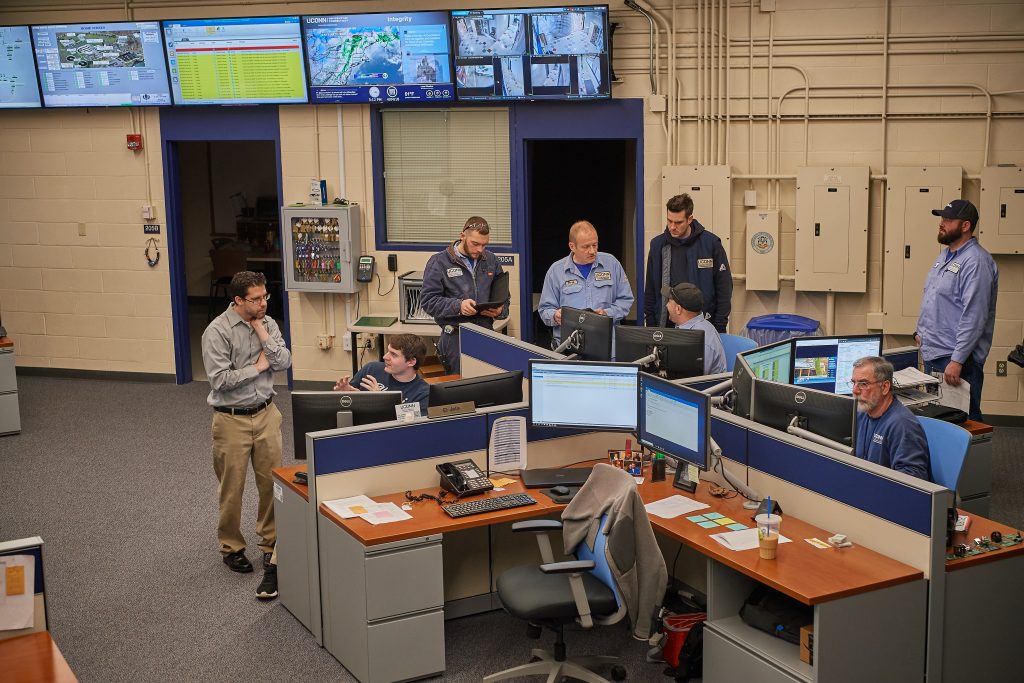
x,y
768,329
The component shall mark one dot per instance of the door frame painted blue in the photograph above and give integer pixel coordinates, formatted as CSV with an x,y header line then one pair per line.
x,y
614,119
205,124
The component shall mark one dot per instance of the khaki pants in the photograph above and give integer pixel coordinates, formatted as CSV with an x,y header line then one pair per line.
x,y
236,440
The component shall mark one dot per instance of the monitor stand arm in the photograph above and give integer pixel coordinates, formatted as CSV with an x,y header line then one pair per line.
x,y
721,386
753,499
811,436
653,358
573,342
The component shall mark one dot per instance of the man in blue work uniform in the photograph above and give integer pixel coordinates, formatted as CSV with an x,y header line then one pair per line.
x,y
453,281
397,372
687,252
586,278
888,434
958,310
684,304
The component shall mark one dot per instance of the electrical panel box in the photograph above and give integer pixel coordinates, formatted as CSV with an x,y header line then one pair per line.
x,y
322,245
762,251
832,228
910,238
1001,221
710,187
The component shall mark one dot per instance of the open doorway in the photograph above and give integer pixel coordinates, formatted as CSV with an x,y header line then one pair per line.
x,y
570,180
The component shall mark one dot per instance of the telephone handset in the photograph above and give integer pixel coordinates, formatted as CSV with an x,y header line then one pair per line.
x,y
463,478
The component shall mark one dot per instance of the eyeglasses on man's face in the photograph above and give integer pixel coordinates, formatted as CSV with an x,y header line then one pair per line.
x,y
259,299
861,384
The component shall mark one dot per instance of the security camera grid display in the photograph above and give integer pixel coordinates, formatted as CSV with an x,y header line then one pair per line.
x,y
540,53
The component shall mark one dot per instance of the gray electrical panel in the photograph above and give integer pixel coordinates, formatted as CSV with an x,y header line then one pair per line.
x,y
710,187
832,228
321,247
911,243
1001,220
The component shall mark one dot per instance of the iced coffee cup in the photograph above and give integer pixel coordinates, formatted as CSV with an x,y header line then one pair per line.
x,y
768,526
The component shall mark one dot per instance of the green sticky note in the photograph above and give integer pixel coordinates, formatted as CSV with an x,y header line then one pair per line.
x,y
698,518
708,525
713,515
736,527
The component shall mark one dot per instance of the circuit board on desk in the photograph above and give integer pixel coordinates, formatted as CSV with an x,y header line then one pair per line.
x,y
986,547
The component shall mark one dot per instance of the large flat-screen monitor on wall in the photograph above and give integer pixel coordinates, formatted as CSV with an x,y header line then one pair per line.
x,y
244,60
539,53
393,58
19,86
102,64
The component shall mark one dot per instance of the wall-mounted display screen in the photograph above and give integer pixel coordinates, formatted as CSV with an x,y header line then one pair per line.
x,y
18,85
254,60
395,57
532,54
103,64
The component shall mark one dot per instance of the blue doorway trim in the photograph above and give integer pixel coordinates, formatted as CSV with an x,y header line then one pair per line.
x,y
205,124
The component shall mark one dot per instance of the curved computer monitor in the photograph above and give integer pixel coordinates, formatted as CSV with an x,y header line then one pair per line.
x,y
583,395
674,420
593,334
316,411
680,352
831,416
484,391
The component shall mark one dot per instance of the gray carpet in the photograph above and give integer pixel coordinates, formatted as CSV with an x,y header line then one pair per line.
x,y
117,479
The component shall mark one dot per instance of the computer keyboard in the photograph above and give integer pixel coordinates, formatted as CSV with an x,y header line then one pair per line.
x,y
475,507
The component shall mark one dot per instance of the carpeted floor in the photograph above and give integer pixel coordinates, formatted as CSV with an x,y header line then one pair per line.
x,y
116,478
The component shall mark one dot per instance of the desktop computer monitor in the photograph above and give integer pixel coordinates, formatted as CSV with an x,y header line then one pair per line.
x,y
484,391
583,395
831,416
680,353
674,420
316,411
586,335
772,362
826,363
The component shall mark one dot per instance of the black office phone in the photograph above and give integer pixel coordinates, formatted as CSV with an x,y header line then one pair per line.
x,y
463,478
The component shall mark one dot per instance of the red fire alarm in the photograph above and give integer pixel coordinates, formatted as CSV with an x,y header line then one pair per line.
x,y
134,142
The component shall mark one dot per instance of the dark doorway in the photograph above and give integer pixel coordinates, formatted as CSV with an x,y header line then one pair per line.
x,y
571,180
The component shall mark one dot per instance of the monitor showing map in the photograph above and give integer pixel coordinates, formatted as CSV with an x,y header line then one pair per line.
x,y
251,60
102,64
19,87
383,58
544,53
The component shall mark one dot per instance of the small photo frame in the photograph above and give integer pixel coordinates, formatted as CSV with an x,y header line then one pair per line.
x,y
631,461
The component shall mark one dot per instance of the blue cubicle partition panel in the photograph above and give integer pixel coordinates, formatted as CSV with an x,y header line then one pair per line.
x,y
902,358
535,433
732,439
500,352
399,443
885,498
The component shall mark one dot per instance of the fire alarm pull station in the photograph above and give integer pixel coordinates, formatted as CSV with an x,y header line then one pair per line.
x,y
134,142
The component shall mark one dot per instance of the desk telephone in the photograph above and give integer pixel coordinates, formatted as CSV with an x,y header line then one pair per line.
x,y
463,478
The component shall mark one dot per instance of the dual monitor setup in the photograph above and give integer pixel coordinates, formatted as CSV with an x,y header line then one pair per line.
x,y
591,336
803,386
539,53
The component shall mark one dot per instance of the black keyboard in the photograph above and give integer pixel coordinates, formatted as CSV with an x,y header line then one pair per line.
x,y
476,507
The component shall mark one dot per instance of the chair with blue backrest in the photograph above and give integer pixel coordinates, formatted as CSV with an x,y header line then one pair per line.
x,y
947,444
733,344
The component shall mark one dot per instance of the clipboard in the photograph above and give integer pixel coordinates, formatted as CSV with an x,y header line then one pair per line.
x,y
499,293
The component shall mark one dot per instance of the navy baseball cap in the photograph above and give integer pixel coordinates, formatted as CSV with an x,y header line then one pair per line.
x,y
685,294
959,209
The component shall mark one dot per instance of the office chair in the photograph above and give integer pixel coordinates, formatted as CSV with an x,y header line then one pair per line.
x,y
733,344
226,262
582,591
947,445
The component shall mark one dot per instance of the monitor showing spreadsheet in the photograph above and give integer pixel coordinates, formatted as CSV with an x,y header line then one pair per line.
x,y
600,396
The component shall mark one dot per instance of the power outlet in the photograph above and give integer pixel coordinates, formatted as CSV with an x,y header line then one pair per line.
x,y
1000,368
324,342
346,342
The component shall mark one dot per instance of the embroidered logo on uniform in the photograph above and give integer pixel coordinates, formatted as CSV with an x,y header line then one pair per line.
x,y
603,275
454,272
953,267
878,438
570,283
705,263
721,267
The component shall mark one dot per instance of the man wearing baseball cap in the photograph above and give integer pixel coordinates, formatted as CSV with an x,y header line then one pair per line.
x,y
685,302
958,310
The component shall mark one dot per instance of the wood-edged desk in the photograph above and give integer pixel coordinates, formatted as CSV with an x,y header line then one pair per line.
x,y
384,592
34,658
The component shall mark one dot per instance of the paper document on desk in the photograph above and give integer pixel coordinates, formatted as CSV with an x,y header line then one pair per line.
x,y
347,508
742,540
911,377
674,506
382,513
17,591
958,397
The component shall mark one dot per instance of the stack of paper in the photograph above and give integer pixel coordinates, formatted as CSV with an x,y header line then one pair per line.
x,y
673,506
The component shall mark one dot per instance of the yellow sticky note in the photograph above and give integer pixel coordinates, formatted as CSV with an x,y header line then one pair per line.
x,y
15,579
724,521
357,509
504,481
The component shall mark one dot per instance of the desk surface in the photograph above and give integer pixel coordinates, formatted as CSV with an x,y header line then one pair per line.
x,y
286,475
977,428
806,573
34,658
980,526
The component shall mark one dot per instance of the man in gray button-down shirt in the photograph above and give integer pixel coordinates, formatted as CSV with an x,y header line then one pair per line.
x,y
242,348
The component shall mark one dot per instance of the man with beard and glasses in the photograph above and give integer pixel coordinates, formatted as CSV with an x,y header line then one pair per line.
x,y
888,434
958,310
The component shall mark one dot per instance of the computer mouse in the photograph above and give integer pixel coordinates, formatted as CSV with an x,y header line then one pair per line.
x,y
560,490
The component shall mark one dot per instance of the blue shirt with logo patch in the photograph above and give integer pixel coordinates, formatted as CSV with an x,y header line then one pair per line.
x,y
896,440
604,286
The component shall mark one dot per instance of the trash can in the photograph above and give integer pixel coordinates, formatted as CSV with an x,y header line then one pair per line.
x,y
768,329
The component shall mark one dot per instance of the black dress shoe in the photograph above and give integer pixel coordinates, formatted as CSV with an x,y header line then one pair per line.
x,y
238,562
